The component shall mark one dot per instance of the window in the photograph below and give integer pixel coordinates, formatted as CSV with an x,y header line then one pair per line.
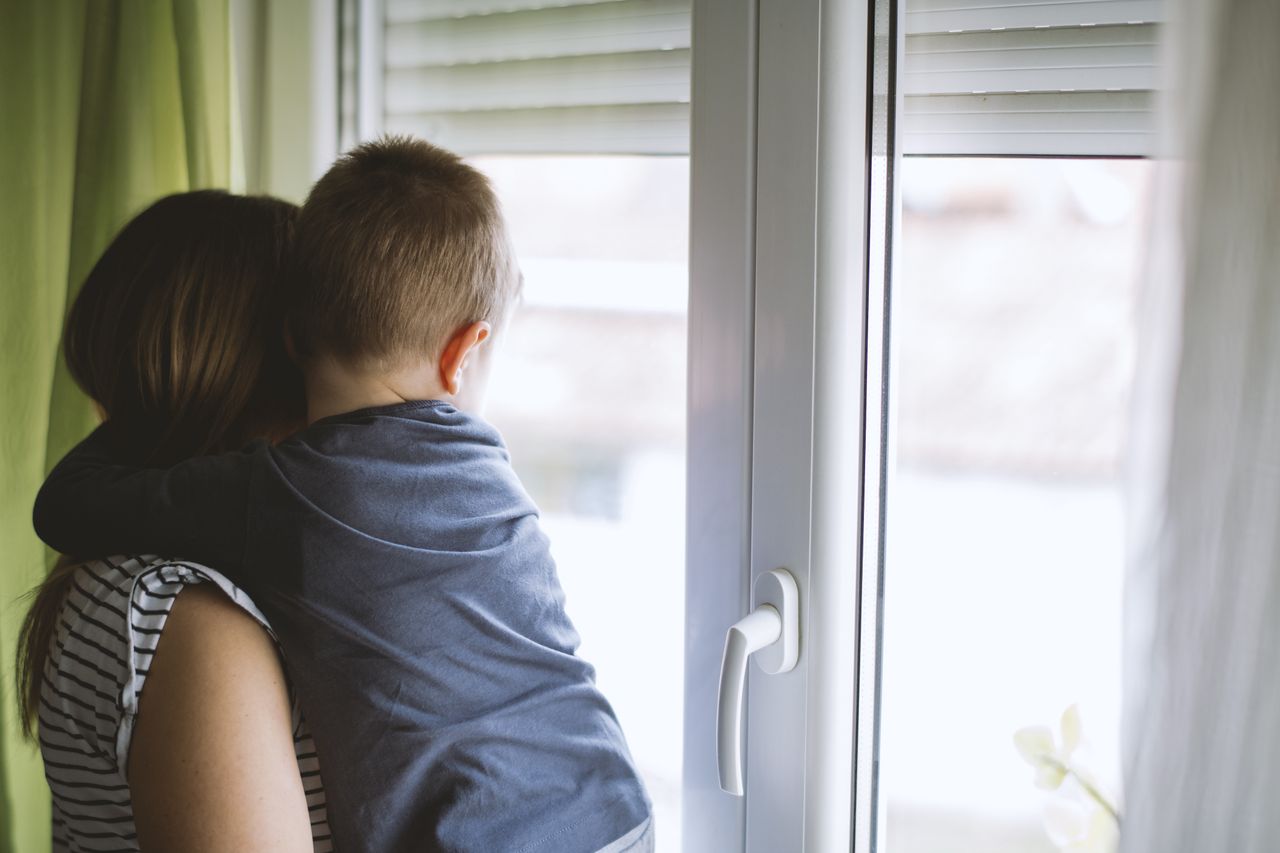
x,y
578,111
1013,314
1009,322
1012,319
589,394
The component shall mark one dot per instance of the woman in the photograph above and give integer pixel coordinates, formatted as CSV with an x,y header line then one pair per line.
x,y
192,743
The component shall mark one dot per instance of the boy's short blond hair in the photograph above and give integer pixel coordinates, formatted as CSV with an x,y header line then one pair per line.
x,y
399,245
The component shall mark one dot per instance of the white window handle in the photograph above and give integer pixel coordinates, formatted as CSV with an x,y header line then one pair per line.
x,y
773,630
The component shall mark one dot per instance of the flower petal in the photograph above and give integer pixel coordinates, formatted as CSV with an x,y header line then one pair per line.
x,y
1065,821
1102,831
1050,776
1033,744
1071,727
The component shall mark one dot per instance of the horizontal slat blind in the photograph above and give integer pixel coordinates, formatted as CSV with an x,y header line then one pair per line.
x,y
1030,77
406,11
947,16
994,77
557,76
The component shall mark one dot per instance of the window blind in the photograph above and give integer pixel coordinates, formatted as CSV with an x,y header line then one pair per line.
x,y
1030,77
994,77
539,76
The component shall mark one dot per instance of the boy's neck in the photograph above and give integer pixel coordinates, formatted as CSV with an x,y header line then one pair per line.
x,y
335,388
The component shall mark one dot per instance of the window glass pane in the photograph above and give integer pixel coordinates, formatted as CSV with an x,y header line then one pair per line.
x,y
589,393
1012,320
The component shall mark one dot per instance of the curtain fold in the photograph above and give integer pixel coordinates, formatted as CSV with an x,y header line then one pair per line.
x,y
107,106
1202,733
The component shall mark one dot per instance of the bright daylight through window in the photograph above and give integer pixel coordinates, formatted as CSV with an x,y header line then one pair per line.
x,y
1013,324
589,394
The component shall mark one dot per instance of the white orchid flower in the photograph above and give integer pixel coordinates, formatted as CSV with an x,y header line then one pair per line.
x,y
1066,822
1049,756
1101,834
1074,826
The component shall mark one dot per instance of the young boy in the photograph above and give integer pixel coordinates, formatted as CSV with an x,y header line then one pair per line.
x,y
390,543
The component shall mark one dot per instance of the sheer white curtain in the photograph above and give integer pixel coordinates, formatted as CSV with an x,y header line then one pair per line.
x,y
1203,601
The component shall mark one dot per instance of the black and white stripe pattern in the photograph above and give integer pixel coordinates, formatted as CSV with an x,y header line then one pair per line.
x,y
108,631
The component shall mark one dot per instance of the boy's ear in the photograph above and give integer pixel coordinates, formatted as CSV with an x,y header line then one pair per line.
x,y
454,358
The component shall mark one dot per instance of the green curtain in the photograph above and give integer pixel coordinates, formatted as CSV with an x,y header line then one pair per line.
x,y
106,105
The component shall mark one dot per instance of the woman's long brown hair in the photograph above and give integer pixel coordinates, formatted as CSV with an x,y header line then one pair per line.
x,y
177,336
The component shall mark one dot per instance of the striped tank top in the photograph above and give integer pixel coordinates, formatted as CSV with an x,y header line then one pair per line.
x,y
108,629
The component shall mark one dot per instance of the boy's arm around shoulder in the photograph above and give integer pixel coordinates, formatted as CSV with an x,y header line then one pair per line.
x,y
93,506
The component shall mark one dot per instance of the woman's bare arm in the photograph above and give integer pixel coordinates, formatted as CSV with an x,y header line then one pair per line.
x,y
212,767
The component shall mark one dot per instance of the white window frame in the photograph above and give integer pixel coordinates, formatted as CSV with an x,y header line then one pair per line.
x,y
285,56
791,220
786,402
721,318
791,256
794,129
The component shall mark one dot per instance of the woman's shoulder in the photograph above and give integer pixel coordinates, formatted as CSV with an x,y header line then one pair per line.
x,y
109,628
135,595
111,580
105,585
205,693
